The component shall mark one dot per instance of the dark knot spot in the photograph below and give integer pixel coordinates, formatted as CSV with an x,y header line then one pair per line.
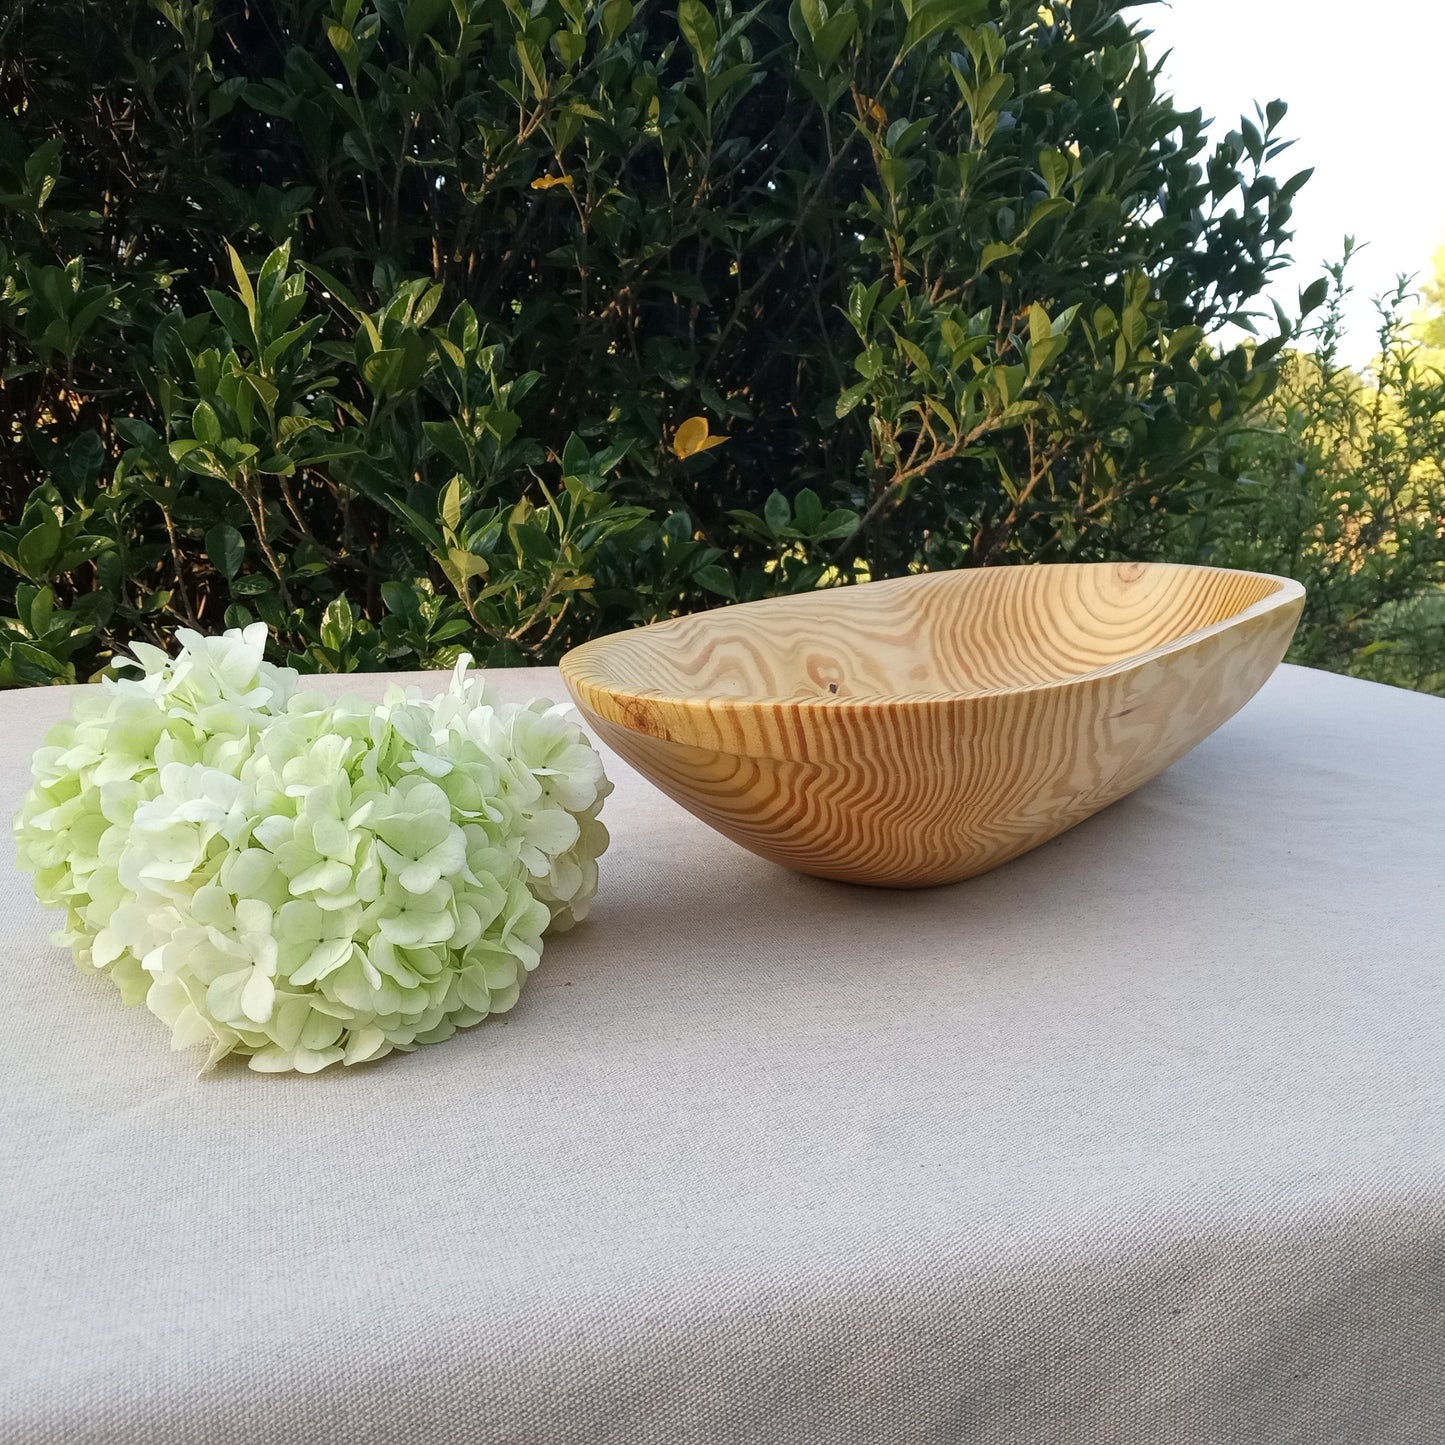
x,y
641,717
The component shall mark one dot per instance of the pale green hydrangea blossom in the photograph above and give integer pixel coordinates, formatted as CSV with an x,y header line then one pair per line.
x,y
304,881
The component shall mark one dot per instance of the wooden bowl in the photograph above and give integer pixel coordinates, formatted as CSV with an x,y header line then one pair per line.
x,y
926,729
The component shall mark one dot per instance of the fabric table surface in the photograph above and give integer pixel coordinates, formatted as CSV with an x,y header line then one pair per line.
x,y
1135,1141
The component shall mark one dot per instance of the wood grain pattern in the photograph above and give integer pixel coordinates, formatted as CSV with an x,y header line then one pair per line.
x,y
926,729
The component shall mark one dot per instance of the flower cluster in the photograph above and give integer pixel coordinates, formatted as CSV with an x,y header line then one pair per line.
x,y
307,881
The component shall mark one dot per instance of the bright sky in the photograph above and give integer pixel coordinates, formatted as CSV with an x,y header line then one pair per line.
x,y
1363,87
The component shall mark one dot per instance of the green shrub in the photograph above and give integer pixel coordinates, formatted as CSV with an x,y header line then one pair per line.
x,y
1340,483
549,318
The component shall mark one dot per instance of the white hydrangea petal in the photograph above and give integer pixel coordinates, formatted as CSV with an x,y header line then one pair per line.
x,y
333,839
500,973
553,831
275,1060
363,1045
325,958
258,996
503,999
223,997
287,1021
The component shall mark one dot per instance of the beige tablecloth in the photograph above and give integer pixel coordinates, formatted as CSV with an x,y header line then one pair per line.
x,y
1137,1140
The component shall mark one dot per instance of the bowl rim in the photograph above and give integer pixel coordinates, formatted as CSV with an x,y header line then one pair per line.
x,y
581,680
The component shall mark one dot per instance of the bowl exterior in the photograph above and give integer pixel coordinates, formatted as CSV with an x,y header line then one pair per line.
x,y
933,791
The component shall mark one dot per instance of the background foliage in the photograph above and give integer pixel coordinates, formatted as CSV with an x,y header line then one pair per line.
x,y
1340,482
413,324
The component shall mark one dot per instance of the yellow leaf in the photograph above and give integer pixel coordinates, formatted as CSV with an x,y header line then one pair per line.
x,y
876,112
452,505
243,284
462,564
692,437
545,183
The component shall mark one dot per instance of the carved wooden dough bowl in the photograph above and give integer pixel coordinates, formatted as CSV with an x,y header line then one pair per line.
x,y
926,729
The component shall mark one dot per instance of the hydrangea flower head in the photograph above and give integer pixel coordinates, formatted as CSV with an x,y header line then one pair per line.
x,y
306,882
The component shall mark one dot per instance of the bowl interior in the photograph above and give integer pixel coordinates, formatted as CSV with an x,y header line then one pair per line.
x,y
937,634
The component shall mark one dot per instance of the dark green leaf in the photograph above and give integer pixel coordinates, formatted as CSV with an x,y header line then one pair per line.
x,y
715,579
226,548
777,512
39,547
